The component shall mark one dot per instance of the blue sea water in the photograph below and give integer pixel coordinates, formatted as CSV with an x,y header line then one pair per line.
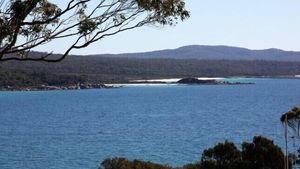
x,y
165,124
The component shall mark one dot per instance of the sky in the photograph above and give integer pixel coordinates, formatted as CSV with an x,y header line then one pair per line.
x,y
253,24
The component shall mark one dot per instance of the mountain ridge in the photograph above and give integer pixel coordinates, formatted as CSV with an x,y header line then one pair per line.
x,y
214,53
108,68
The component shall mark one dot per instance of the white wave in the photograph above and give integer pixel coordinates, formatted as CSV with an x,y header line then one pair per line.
x,y
172,80
147,84
210,78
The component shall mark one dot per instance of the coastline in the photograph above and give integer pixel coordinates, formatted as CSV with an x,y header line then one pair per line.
x,y
141,82
173,80
181,81
62,87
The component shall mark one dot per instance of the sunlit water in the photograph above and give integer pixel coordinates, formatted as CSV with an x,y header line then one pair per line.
x,y
170,124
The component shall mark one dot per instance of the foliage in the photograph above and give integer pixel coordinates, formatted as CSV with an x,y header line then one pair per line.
x,y
222,156
118,70
122,163
292,118
19,78
262,153
27,24
197,165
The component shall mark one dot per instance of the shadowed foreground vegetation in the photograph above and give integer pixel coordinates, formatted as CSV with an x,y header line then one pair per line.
x,y
262,153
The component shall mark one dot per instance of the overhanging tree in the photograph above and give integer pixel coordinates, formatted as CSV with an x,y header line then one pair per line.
x,y
28,24
292,119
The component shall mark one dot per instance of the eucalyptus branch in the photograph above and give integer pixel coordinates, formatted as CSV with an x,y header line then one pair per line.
x,y
27,24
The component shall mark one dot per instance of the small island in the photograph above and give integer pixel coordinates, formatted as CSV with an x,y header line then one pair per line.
x,y
196,81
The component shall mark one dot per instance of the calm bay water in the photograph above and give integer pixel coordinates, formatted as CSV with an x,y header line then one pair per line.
x,y
165,124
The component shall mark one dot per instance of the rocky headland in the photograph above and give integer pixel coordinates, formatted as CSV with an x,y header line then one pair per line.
x,y
196,81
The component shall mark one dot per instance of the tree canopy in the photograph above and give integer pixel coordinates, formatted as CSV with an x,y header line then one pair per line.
x,y
262,153
27,24
292,118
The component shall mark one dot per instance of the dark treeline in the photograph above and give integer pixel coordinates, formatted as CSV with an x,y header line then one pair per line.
x,y
262,153
22,78
107,69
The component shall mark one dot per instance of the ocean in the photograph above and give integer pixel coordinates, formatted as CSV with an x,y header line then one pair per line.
x,y
169,124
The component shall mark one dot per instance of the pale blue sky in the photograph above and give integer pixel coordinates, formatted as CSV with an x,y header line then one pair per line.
x,y
254,24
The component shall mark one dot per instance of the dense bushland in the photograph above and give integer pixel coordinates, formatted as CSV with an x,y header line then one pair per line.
x,y
110,70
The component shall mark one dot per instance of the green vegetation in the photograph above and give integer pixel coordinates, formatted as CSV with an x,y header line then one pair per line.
x,y
27,24
122,163
262,153
290,119
94,69
21,78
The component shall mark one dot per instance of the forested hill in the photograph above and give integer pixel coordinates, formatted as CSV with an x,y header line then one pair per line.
x,y
216,52
110,69
190,61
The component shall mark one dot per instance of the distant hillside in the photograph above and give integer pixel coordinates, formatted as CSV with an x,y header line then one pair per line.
x,y
215,52
111,69
189,61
